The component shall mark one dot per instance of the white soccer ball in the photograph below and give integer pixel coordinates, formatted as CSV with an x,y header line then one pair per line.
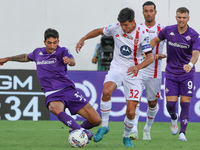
x,y
78,138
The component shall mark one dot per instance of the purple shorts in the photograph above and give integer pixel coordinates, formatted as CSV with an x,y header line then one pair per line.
x,y
181,85
70,98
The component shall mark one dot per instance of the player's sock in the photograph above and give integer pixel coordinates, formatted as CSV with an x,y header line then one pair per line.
x,y
86,125
135,121
151,113
68,120
171,107
184,116
105,112
128,125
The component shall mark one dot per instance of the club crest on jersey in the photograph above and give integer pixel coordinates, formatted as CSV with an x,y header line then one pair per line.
x,y
188,38
125,50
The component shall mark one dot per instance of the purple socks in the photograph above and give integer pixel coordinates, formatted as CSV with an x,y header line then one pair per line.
x,y
86,125
171,107
184,117
68,120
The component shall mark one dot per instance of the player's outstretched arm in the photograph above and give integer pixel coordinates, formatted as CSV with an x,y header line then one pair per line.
x,y
154,41
69,61
92,34
19,58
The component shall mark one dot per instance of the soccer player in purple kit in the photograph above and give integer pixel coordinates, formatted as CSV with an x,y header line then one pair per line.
x,y
183,46
59,90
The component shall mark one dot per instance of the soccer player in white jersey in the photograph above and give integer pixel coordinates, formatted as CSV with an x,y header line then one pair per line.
x,y
131,40
151,74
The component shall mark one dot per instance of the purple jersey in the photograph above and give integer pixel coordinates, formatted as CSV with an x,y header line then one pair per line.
x,y
51,71
179,48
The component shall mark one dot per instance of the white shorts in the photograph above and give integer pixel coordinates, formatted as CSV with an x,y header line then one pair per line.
x,y
132,85
152,87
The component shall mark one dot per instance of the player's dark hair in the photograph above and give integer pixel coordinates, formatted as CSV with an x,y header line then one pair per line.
x,y
182,10
51,33
148,3
126,14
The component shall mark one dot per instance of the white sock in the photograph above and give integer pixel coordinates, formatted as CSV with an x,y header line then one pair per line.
x,y
105,108
151,113
135,120
128,125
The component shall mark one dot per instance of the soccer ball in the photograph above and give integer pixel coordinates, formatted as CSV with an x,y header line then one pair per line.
x,y
78,138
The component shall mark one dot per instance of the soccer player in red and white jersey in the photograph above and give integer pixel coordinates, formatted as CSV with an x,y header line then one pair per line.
x,y
131,40
151,74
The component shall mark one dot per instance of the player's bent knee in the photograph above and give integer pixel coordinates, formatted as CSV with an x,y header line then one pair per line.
x,y
152,104
106,97
130,115
97,122
55,108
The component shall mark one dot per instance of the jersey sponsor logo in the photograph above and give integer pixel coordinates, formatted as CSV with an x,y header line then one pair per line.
x,y
125,50
117,35
180,45
47,62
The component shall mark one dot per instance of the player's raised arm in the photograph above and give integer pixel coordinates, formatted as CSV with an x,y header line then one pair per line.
x,y
18,58
92,34
154,41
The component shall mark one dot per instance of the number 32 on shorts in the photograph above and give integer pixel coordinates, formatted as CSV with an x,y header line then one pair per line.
x,y
134,93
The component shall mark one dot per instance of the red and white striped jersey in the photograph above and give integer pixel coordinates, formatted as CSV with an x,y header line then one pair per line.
x,y
128,47
154,69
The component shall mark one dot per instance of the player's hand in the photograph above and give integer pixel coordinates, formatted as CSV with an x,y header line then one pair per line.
x,y
133,70
80,44
159,56
187,68
94,60
66,60
3,60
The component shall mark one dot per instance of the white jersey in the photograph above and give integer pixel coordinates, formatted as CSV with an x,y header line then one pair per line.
x,y
154,69
128,47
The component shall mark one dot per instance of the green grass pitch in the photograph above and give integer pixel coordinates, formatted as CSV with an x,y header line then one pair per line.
x,y
53,135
